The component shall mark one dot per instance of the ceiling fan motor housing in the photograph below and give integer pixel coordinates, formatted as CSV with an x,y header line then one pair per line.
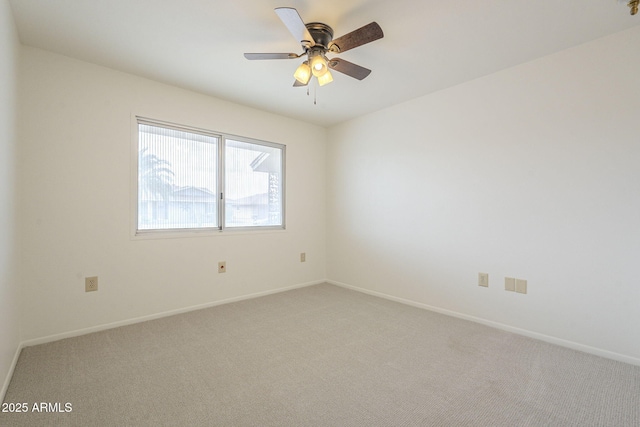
x,y
322,33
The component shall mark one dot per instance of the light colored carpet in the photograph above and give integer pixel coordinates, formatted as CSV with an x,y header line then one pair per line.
x,y
319,356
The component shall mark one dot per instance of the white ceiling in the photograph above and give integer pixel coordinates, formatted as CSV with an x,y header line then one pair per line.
x,y
428,45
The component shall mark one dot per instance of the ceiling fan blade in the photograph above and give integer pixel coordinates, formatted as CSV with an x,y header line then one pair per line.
x,y
294,23
296,83
362,35
349,68
253,56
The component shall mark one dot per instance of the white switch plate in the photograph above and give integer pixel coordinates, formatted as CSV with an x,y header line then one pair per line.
x,y
521,286
222,267
483,279
509,284
303,257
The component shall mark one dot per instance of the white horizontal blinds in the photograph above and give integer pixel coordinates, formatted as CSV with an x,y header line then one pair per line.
x,y
253,184
177,178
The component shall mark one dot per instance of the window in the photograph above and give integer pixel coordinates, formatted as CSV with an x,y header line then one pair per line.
x,y
192,179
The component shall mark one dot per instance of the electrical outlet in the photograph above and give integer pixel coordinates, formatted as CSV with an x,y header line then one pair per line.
x,y
91,284
222,267
483,279
303,257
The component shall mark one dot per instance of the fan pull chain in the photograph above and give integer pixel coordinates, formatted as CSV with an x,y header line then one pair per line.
x,y
315,92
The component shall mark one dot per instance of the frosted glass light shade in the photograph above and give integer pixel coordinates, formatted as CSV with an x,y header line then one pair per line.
x,y
325,78
318,65
303,73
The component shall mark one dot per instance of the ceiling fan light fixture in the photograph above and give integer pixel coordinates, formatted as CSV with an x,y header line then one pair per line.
x,y
325,78
303,73
318,64
317,40
633,5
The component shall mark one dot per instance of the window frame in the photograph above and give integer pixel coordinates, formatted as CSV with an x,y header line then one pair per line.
x,y
221,207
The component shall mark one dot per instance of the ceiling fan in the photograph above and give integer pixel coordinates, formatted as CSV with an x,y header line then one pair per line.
x,y
317,40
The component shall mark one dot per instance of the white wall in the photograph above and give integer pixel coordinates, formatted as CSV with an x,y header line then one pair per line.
x,y
9,291
75,170
532,172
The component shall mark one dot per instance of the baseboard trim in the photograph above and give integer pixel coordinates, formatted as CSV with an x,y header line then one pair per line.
x,y
98,328
542,337
7,380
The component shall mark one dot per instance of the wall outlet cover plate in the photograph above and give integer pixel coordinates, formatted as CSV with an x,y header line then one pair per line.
x,y
509,284
483,279
91,284
521,286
